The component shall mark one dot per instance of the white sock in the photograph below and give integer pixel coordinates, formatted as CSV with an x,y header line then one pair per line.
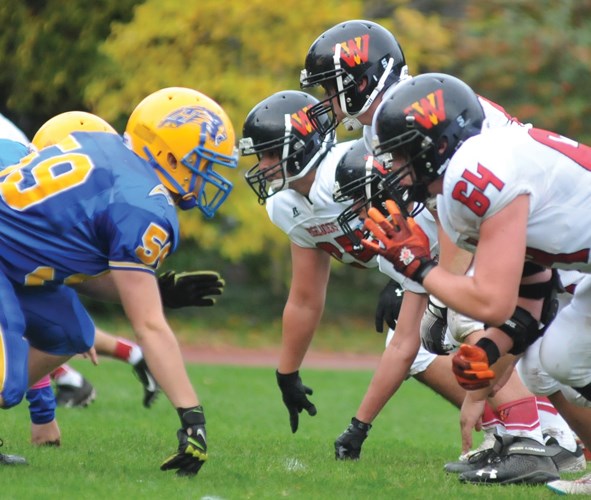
x,y
135,355
70,377
554,425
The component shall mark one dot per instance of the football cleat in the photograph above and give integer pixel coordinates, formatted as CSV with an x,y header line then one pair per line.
x,y
565,460
70,396
474,459
580,486
518,460
144,375
11,459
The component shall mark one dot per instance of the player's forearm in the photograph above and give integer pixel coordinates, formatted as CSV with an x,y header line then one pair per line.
x,y
391,372
471,297
164,358
299,326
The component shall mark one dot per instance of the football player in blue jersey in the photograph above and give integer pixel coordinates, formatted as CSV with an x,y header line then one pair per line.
x,y
95,215
193,288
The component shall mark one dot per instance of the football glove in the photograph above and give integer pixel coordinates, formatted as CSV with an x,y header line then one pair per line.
x,y
388,307
471,368
190,288
404,243
192,450
434,327
294,397
348,444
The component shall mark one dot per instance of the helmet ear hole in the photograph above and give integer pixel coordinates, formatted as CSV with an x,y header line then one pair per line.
x,y
442,145
171,160
362,85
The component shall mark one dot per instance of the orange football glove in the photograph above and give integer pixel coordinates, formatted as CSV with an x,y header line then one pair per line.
x,y
471,368
404,242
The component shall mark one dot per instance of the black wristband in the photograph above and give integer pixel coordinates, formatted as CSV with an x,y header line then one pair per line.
x,y
424,267
191,416
491,350
358,424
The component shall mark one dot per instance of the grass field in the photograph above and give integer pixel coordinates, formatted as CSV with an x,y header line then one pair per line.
x,y
113,448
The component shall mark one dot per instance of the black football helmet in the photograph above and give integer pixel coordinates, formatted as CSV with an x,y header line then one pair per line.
x,y
358,180
354,61
425,121
279,123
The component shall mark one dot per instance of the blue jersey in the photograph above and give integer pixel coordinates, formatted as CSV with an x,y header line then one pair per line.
x,y
80,208
11,152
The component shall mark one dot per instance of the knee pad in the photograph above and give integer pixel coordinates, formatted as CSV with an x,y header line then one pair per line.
x,y
12,396
548,291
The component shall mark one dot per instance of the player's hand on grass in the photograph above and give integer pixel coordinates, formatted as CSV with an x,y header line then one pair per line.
x,y
388,307
471,416
192,450
193,288
294,394
348,444
471,368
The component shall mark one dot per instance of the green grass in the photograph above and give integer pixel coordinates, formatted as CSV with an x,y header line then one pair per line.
x,y
113,448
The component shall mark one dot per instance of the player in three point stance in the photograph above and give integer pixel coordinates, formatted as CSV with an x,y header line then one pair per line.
x,y
501,194
95,215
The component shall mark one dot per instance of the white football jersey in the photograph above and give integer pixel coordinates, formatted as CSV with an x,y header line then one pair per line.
x,y
9,130
493,168
311,222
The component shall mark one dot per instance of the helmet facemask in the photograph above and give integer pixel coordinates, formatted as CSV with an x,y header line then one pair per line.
x,y
427,161
200,163
417,149
363,192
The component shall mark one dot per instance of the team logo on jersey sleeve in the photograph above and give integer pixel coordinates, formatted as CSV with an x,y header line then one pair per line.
x,y
214,125
428,111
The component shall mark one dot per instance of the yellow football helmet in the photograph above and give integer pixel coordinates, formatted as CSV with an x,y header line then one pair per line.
x,y
184,134
60,126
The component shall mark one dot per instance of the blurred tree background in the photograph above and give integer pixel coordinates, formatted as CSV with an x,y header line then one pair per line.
x,y
531,56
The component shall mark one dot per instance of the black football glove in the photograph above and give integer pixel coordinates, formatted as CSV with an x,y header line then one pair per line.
x,y
294,397
434,327
388,307
191,288
348,444
192,450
